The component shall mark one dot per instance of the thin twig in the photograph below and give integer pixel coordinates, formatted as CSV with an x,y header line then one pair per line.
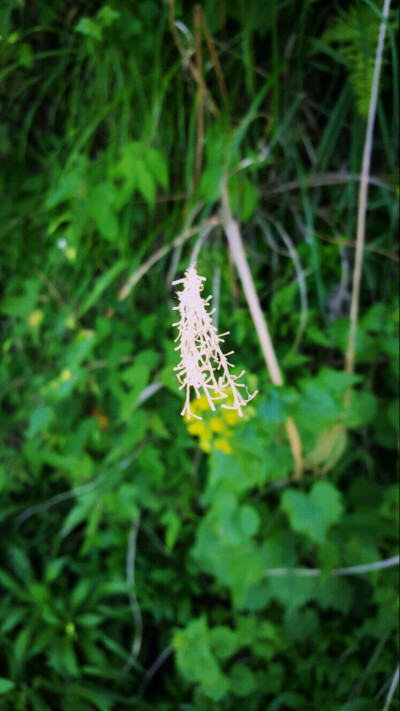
x,y
316,181
362,199
191,66
392,689
58,499
205,231
316,572
149,391
159,254
236,247
156,541
215,62
154,668
367,248
135,609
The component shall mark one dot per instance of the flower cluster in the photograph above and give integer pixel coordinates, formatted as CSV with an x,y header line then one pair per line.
x,y
215,429
203,365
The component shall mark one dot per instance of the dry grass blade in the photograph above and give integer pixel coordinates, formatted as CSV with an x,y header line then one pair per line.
x,y
362,198
236,246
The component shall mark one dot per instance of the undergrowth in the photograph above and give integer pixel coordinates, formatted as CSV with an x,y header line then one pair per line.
x,y
145,562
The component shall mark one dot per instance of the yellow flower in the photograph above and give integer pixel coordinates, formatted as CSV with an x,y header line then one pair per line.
x,y
223,445
197,428
65,375
205,445
231,416
216,424
35,318
201,403
70,253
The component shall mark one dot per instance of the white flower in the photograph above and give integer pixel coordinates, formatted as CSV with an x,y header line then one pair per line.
x,y
203,365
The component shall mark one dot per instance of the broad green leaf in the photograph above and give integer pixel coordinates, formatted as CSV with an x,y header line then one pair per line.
x,y
224,641
196,661
301,624
362,409
313,514
243,681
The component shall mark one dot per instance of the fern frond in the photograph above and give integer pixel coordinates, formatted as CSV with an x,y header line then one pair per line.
x,y
356,34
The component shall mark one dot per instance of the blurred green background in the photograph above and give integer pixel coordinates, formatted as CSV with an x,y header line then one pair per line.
x,y
145,562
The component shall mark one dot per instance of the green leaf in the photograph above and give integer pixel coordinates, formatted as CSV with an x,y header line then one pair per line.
x,y
301,624
242,680
196,661
87,26
39,421
249,520
224,641
6,685
107,16
69,187
145,182
157,166
102,208
361,705
243,197
313,514
362,409
210,184
100,285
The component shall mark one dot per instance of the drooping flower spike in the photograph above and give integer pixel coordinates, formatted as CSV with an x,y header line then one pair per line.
x,y
203,365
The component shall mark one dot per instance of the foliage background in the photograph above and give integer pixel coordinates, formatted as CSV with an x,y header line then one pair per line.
x,y
135,549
